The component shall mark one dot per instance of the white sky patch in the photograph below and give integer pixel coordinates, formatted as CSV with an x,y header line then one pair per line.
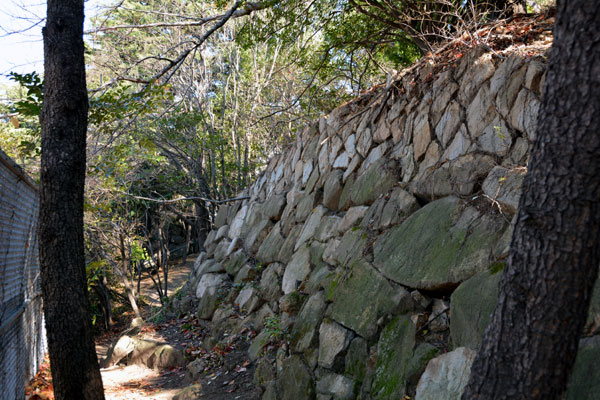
x,y
21,23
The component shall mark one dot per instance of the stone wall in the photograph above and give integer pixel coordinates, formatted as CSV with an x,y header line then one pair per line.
x,y
373,247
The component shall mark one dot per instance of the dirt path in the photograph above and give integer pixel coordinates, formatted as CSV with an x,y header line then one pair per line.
x,y
178,274
135,382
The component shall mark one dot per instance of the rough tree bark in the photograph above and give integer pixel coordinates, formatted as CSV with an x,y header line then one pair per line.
x,y
529,348
73,360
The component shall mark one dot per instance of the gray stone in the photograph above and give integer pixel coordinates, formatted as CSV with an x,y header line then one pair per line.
x,y
336,146
221,250
337,386
221,218
354,163
496,138
533,78
235,228
438,319
246,273
458,176
235,262
351,218
506,92
394,351
446,376
364,143
459,146
523,115
257,235
342,161
375,154
504,187
258,344
306,171
330,253
585,378
207,292
378,179
312,181
360,297
269,249
305,206
448,123
350,146
372,217
439,246
248,300
333,340
480,113
310,226
294,380
332,190
356,359
304,334
296,271
397,128
471,305
443,95
418,362
262,315
382,132
287,250
273,207
317,279
270,392
352,245
222,232
291,303
478,68
400,205
519,152
421,135
328,228
264,373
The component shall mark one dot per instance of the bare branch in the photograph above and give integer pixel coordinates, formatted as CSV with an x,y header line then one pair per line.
x,y
246,10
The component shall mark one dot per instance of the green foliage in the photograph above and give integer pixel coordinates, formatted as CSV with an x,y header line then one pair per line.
x,y
273,327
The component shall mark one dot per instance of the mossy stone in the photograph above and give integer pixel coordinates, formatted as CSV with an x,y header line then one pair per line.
x,y
585,378
439,246
379,178
471,306
295,380
394,352
360,297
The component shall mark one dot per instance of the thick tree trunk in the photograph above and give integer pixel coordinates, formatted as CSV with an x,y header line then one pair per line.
x,y
73,360
530,345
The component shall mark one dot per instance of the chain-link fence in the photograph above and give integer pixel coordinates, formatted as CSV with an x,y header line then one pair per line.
x,y
22,334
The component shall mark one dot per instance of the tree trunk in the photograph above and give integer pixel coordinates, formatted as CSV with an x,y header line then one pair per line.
x,y
529,348
128,289
73,360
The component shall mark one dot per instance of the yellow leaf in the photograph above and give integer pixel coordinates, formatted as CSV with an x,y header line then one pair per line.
x,y
15,122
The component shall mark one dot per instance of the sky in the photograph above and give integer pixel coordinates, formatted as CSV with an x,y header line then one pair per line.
x,y
21,23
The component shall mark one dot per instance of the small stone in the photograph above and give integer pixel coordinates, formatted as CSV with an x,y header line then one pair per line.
x,y
333,339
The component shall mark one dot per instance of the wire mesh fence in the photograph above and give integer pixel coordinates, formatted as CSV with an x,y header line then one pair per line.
x,y
22,334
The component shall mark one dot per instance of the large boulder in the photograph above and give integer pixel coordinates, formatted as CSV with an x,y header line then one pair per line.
x,y
439,246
